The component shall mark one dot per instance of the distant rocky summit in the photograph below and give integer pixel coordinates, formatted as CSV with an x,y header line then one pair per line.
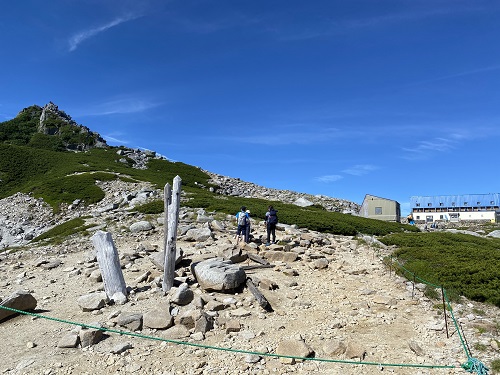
x,y
56,122
49,127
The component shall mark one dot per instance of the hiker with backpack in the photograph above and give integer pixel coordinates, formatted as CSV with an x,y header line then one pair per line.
x,y
271,221
247,229
242,219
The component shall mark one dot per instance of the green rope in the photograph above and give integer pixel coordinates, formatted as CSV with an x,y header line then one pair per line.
x,y
120,332
472,364
475,365
455,323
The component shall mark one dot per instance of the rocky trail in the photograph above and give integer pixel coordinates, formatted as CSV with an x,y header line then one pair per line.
x,y
332,298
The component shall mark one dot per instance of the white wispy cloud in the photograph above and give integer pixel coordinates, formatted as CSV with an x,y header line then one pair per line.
x,y
329,178
75,40
427,148
360,169
452,137
356,170
113,138
121,106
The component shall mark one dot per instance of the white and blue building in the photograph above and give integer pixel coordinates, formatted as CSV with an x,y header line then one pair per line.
x,y
455,208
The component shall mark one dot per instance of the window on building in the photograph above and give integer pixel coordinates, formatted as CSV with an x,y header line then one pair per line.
x,y
418,204
465,203
418,217
378,210
453,204
429,204
478,203
441,204
441,217
492,202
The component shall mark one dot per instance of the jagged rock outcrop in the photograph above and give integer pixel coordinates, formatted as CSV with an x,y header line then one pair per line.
x,y
75,137
56,123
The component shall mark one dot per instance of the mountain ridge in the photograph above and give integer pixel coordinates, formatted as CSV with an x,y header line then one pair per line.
x,y
49,127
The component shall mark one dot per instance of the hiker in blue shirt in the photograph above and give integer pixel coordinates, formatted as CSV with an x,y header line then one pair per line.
x,y
271,221
242,219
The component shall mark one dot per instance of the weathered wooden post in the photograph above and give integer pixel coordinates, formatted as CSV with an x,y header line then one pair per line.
x,y
109,264
172,204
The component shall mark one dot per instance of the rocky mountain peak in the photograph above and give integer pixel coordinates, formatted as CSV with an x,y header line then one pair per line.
x,y
54,121
51,110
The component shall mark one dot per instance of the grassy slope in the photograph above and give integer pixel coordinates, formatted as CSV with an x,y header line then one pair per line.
x,y
466,264
51,174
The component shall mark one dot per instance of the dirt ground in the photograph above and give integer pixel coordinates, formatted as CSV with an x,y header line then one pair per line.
x,y
354,302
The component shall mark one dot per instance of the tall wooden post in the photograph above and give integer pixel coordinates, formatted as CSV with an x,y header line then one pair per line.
x,y
172,205
109,264
167,192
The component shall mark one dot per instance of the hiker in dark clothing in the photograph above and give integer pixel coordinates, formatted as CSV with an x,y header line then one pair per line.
x,y
247,229
271,221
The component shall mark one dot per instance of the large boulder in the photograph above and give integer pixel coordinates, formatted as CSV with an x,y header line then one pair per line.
x,y
92,301
495,233
218,275
141,226
198,234
158,319
181,295
303,202
19,300
293,348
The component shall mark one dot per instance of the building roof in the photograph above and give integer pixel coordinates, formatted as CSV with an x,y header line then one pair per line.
x,y
466,200
368,196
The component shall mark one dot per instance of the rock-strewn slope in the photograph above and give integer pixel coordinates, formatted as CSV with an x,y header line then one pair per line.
x,y
23,217
236,187
331,298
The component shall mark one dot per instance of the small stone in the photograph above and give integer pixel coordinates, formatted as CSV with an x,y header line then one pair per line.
x,y
198,336
70,340
252,358
121,348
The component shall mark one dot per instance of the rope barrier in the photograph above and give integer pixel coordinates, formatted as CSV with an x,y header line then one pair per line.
x,y
133,334
472,364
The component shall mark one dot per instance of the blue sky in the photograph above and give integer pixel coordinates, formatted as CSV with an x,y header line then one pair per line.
x,y
341,98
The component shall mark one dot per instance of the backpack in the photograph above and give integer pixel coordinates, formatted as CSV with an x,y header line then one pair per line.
x,y
272,218
242,218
